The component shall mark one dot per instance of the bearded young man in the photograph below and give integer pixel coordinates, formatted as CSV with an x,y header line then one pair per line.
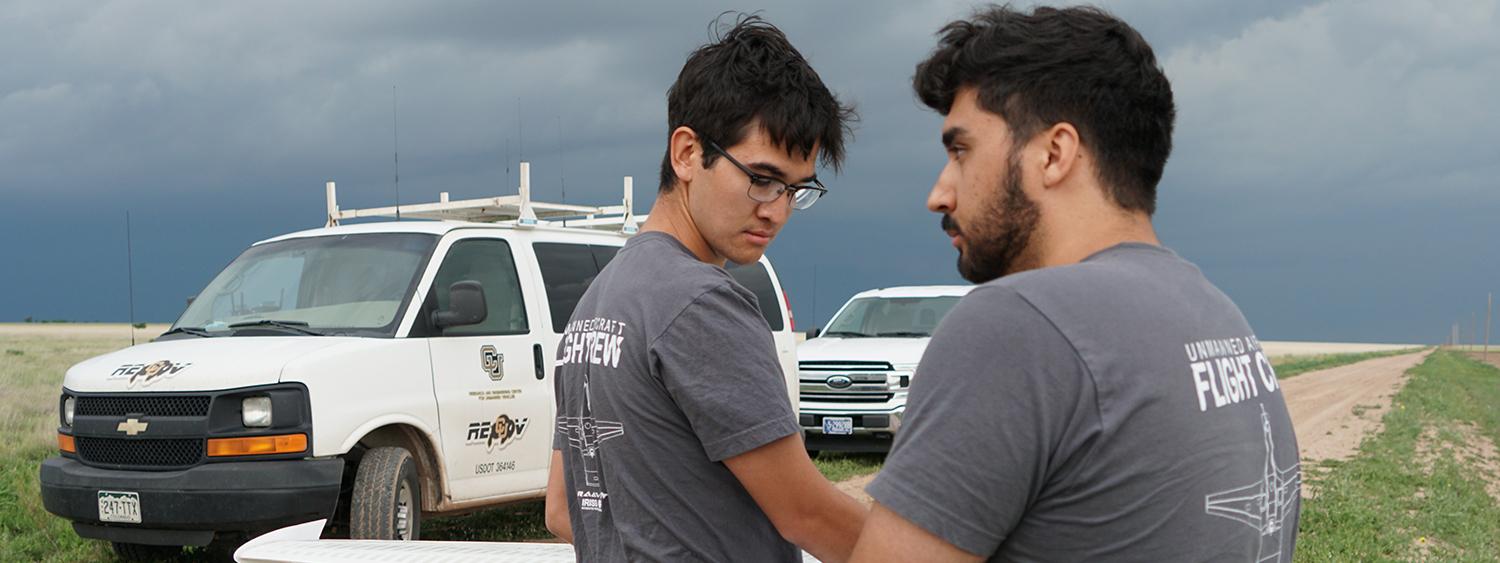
x,y
1095,398
683,446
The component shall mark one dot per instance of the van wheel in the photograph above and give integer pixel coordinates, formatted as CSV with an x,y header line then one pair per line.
x,y
387,498
142,552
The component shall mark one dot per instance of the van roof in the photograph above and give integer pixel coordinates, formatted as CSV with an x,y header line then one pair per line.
x,y
440,228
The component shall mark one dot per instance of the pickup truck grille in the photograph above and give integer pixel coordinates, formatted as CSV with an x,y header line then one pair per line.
x,y
124,453
869,382
148,405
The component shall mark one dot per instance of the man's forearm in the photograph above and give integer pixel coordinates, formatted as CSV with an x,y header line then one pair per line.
x,y
830,534
555,513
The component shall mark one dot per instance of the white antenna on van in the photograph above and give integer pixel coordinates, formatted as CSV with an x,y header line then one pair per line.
x,y
528,217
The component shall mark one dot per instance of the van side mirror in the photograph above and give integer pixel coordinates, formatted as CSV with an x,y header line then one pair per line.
x,y
466,306
814,332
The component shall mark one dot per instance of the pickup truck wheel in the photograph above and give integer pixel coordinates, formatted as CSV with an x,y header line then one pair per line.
x,y
387,500
141,552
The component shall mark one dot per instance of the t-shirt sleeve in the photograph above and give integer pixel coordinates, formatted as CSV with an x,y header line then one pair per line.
x,y
719,364
997,392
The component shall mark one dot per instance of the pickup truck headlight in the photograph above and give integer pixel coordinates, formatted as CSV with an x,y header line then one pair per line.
x,y
255,412
68,411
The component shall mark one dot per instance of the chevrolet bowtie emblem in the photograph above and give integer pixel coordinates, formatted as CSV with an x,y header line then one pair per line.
x,y
132,427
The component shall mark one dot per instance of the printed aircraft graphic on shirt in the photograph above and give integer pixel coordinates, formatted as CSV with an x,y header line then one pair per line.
x,y
585,434
1265,504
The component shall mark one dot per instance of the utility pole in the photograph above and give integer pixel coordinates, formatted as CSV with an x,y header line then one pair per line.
x,y
1489,310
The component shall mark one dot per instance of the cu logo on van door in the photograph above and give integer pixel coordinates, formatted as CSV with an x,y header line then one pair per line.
x,y
492,361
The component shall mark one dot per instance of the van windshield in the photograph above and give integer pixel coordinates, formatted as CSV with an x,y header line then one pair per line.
x,y
354,284
890,317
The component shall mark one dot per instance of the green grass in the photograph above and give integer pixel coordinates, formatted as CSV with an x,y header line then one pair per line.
x,y
31,372
1287,366
518,522
1408,494
838,466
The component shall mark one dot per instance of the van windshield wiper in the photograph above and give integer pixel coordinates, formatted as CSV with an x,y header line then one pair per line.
x,y
907,333
294,326
188,330
847,333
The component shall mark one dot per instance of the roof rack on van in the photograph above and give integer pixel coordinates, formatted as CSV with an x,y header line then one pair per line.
x,y
518,210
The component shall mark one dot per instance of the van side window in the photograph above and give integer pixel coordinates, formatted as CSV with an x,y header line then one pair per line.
x,y
756,279
603,254
489,262
567,271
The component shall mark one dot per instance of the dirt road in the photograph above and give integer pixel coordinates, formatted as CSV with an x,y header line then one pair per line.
x,y
1332,409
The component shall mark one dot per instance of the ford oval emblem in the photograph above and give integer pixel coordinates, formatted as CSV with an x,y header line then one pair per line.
x,y
840,382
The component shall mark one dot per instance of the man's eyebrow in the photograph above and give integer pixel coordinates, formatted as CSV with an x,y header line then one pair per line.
x,y
951,134
776,172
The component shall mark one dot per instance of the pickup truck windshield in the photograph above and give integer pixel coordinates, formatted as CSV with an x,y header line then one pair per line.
x,y
890,317
353,284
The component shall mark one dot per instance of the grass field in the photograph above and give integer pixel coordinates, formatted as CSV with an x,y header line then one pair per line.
x,y
1417,490
1288,366
31,369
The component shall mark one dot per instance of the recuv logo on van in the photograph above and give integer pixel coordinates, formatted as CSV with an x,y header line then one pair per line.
x,y
146,374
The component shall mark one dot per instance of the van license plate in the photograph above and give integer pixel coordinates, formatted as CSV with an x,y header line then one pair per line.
x,y
115,506
838,425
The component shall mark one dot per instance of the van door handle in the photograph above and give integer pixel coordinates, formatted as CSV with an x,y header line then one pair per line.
x,y
536,357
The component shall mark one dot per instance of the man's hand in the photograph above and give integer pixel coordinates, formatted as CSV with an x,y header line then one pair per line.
x,y
889,537
557,500
805,508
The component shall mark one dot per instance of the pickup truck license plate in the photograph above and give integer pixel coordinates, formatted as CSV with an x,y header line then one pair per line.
x,y
839,425
115,506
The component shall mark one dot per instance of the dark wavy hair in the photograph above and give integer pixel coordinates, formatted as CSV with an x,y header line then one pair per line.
x,y
1078,65
748,74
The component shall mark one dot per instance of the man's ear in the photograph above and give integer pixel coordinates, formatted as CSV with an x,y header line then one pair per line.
x,y
1061,148
686,153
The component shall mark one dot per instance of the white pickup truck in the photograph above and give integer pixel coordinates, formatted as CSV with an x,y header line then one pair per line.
x,y
366,374
854,375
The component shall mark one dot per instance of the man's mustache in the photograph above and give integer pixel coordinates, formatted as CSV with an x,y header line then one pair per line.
x,y
950,226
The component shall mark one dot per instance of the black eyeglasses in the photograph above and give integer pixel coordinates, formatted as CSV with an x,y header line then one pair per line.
x,y
766,189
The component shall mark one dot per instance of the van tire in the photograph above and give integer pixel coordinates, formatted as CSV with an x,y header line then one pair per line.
x,y
142,552
386,503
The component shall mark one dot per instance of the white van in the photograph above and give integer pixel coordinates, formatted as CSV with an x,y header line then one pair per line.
x,y
854,375
370,374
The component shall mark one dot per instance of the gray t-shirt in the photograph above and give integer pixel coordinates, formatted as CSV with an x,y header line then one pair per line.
x,y
1116,409
666,369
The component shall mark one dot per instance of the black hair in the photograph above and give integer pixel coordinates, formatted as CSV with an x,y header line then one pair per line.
x,y
1078,65
752,74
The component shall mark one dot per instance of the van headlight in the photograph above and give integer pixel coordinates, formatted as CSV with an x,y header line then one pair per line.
x,y
255,412
68,411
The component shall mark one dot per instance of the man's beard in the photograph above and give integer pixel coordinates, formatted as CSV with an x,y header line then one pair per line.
x,y
991,248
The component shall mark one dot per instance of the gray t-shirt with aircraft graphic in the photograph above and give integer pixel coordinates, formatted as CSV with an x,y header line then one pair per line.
x,y
666,369
1118,409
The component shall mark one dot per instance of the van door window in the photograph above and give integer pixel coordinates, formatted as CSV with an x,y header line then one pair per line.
x,y
603,254
567,271
756,279
489,262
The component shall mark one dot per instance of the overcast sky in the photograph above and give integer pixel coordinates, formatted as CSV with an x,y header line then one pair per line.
x,y
1334,172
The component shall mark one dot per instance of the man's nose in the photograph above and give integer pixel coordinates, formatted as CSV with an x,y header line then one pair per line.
x,y
775,212
941,198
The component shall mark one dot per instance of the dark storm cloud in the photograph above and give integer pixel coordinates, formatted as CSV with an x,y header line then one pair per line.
x,y
1319,143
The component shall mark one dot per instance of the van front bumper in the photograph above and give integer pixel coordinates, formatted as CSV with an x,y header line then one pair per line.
x,y
186,507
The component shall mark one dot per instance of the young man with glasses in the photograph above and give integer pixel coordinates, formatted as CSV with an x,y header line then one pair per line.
x,y
1095,398
675,437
